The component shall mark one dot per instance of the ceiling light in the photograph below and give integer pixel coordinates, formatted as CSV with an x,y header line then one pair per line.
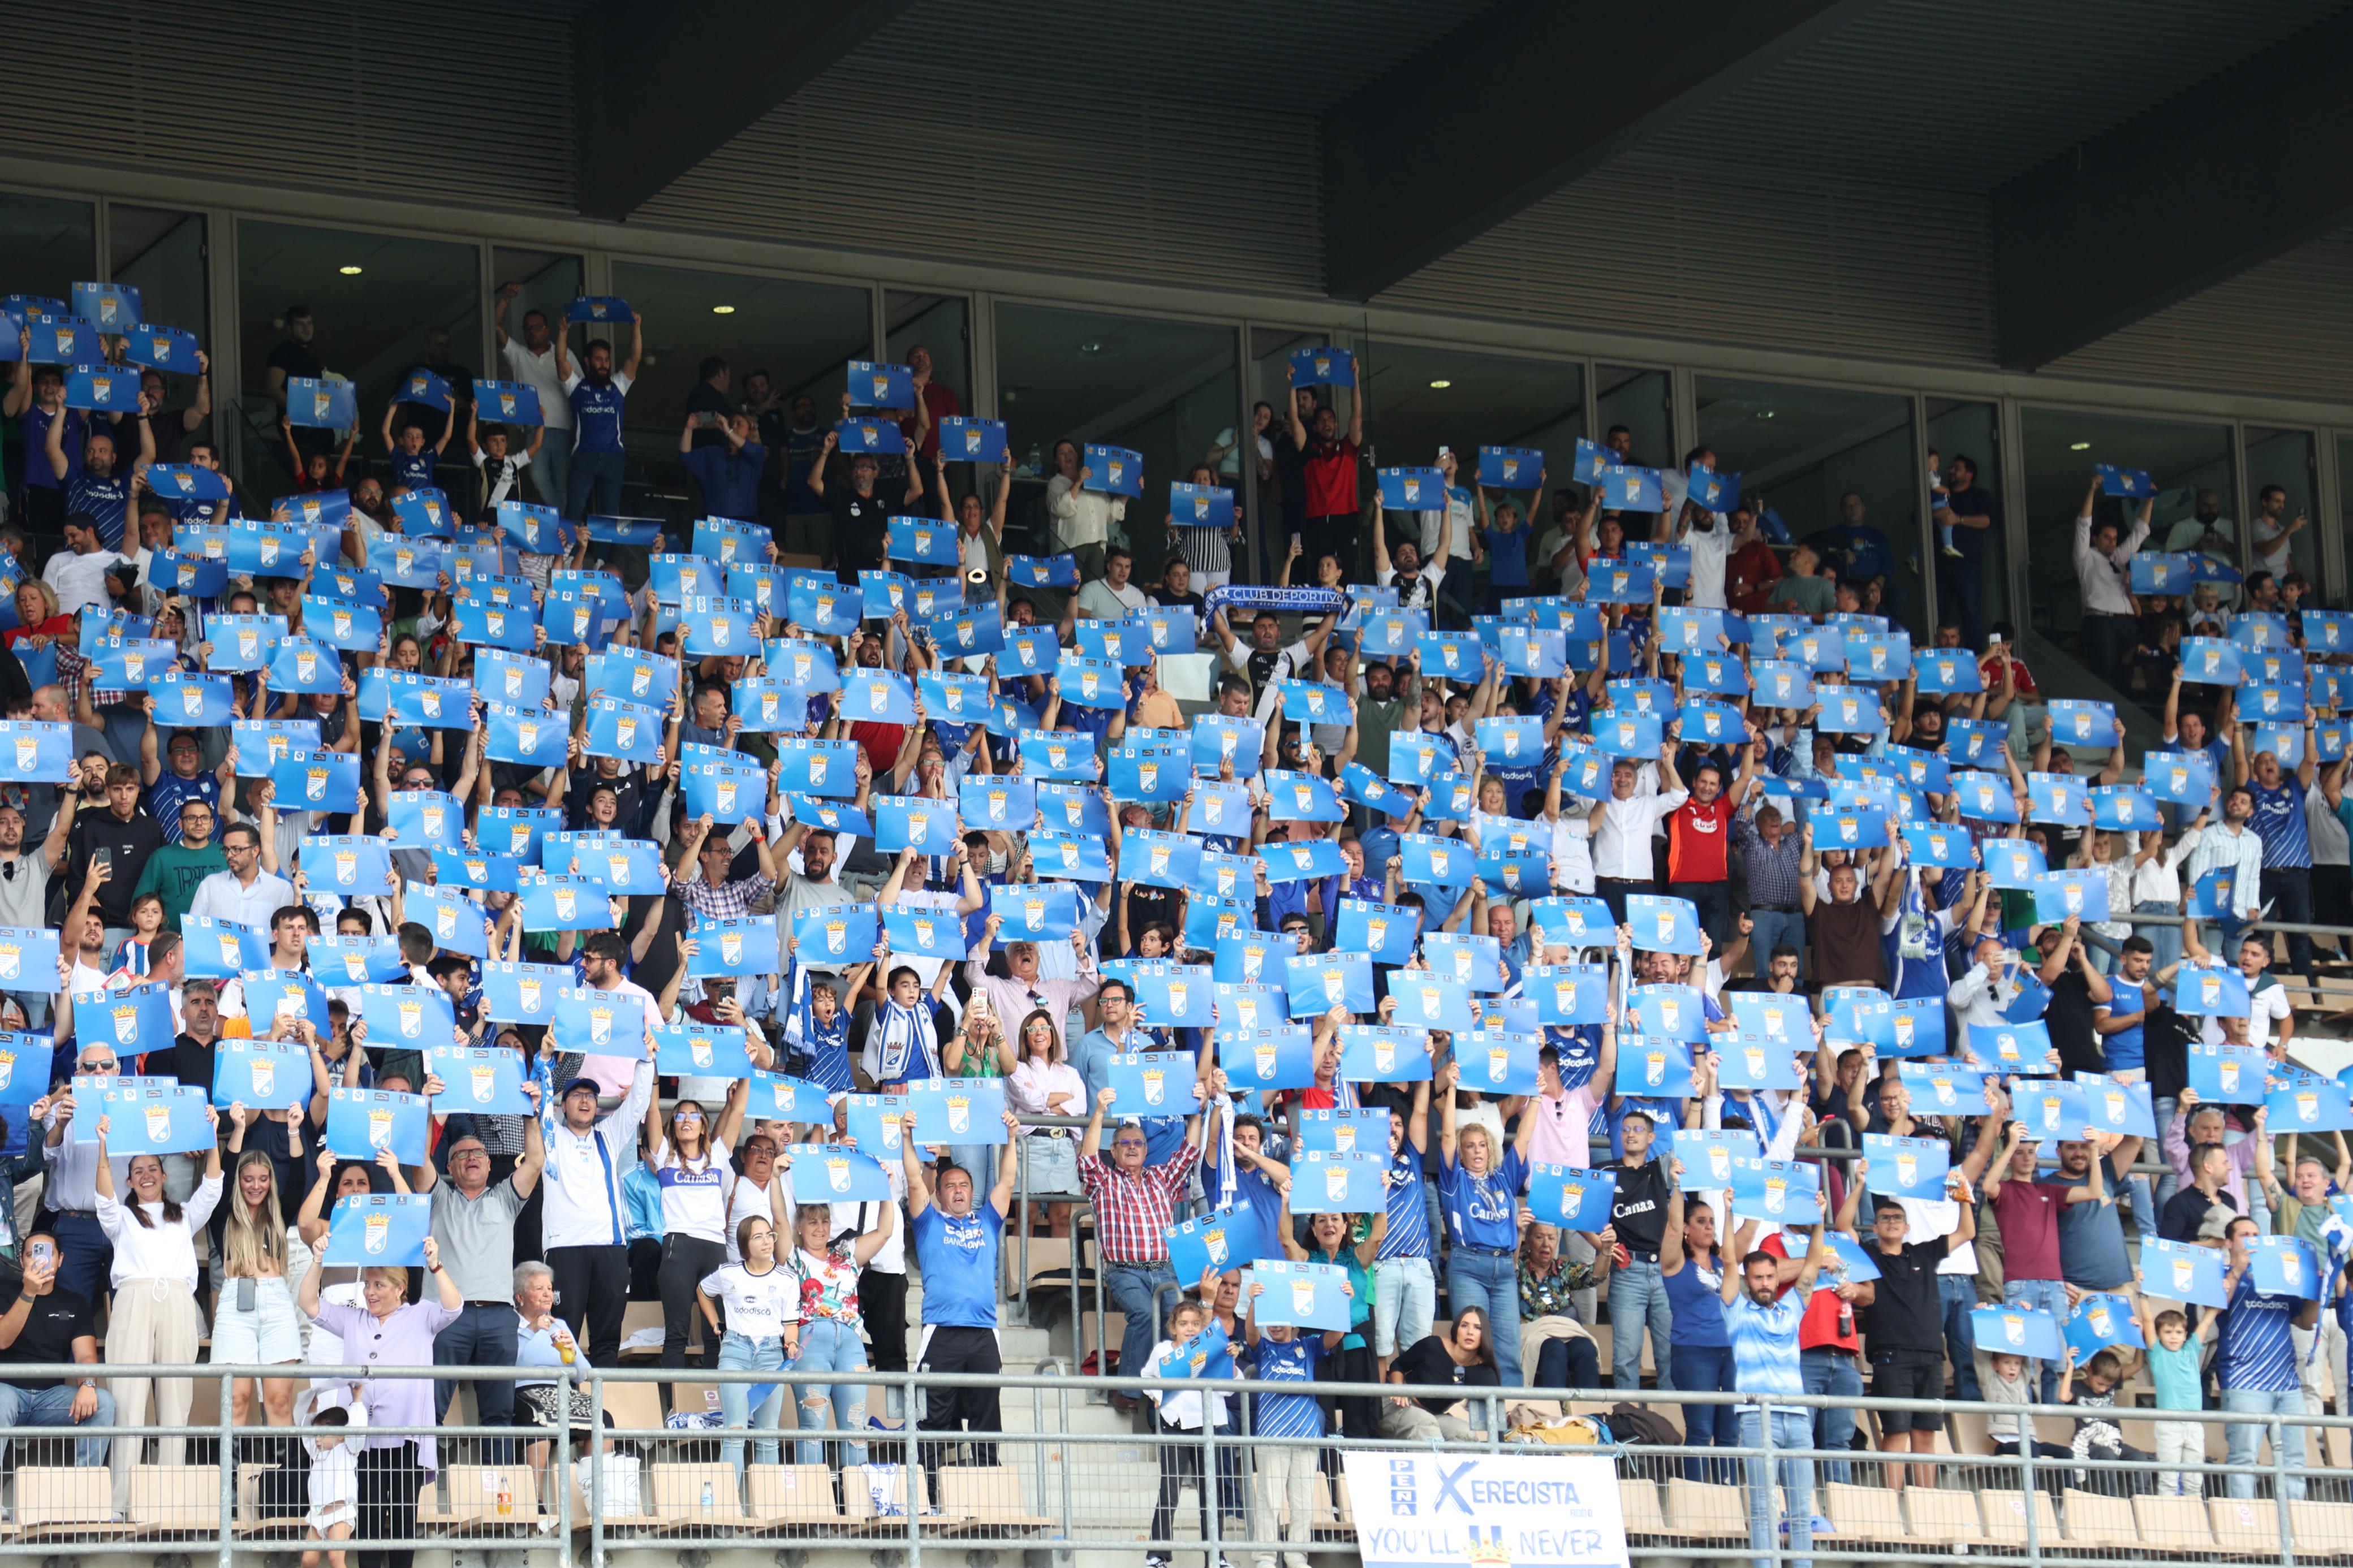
x,y
1764,414
1090,348
2079,446
1441,384
723,309
349,270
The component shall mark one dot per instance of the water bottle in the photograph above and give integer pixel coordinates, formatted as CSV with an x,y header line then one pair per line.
x,y
706,1499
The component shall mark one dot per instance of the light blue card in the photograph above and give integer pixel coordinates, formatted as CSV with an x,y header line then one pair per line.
x,y
1152,1083
1319,982
480,1080
1571,1198
1282,1057
363,1122
379,1230
1329,1182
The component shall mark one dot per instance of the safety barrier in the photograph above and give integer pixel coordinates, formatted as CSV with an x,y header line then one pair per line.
x,y
1036,1481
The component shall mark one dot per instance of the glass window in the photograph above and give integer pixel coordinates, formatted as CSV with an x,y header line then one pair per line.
x,y
798,336
1163,389
1283,494
2193,470
1973,589
1421,398
939,324
2281,478
1841,470
51,245
160,253
355,306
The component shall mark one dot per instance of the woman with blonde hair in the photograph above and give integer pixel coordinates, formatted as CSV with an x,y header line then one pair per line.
x,y
1478,1188
979,1049
256,1323
1043,1083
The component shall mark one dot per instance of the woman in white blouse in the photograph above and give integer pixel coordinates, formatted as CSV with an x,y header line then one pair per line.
x,y
1082,518
1045,1084
154,1319
2156,889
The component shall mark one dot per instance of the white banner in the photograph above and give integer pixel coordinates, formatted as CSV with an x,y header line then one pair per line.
x,y
1543,1508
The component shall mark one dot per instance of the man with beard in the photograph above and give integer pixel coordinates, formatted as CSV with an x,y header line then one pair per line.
x,y
1762,1322
599,394
97,487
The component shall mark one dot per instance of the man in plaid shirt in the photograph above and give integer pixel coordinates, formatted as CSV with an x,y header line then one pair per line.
x,y
708,892
1134,1208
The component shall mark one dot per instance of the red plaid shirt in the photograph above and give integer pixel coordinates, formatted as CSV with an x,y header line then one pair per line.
x,y
1133,1214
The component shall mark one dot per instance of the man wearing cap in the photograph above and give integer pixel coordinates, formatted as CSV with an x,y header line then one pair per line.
x,y
473,1225
584,1223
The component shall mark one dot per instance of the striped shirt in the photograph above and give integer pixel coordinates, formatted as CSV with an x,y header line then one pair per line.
x,y
2256,1351
1293,1361
1764,1343
1408,1232
2241,853
1133,1214
2279,819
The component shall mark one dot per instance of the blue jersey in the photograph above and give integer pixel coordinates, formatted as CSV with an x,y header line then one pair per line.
x,y
1293,1361
414,470
1764,1343
1483,1212
2256,1352
102,498
596,409
1580,1052
1408,1232
2279,822
958,1255
169,793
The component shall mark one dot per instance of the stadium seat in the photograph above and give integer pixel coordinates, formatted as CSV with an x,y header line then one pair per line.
x,y
675,1494
633,1407
2320,1529
79,1499
1637,1500
858,1496
1865,1513
2244,1527
989,1496
2002,1510
475,1491
2180,1523
1703,1509
1942,1515
793,1494
175,1499
2089,1519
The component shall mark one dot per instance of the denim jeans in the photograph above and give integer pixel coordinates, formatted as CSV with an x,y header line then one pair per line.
x,y
1833,1427
594,485
1771,929
2050,1296
482,1336
2244,1439
741,1353
1706,1369
828,1344
1790,1430
1491,1283
1638,1299
1134,1289
2165,939
54,1408
1958,1293
553,466
1405,1304
2168,1183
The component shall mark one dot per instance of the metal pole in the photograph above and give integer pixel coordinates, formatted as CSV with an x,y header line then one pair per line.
x,y
912,1473
561,1467
2026,1442
1070,1516
227,1468
1772,1515
1016,1151
596,1467
1212,1506
2279,1476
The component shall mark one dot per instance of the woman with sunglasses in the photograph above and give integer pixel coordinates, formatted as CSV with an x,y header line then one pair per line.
x,y
691,1163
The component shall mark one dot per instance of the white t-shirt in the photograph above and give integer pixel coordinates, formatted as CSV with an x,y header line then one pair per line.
x,y
693,1193
1709,552
539,370
80,580
2268,1007
1099,601
2272,552
502,480
756,1306
748,1201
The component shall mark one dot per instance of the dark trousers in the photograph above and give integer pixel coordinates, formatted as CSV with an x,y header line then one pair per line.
x,y
389,1484
1356,1415
592,1291
1713,901
685,1260
959,1409
1180,1461
85,1256
2288,890
1612,891
1961,588
882,1302
1570,1363
2108,643
483,1335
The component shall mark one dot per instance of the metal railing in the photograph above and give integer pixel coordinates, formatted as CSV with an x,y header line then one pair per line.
x,y
911,1490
